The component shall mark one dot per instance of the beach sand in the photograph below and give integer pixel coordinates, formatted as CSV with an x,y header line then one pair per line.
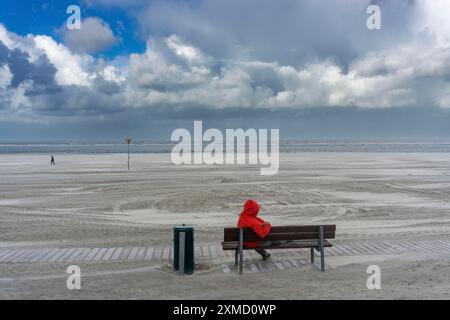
x,y
92,201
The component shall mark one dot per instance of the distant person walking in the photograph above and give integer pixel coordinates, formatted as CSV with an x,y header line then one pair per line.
x,y
52,161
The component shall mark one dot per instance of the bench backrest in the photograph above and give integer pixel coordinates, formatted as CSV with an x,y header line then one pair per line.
x,y
283,233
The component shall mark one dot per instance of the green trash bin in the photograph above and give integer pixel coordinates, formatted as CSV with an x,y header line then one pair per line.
x,y
183,249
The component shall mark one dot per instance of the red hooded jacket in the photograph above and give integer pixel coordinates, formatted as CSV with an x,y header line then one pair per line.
x,y
248,219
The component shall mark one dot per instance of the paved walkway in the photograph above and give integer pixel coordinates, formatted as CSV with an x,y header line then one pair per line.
x,y
214,252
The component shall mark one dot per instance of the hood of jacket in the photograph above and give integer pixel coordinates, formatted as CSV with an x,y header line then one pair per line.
x,y
251,208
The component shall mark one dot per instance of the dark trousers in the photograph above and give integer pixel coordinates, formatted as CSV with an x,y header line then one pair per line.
x,y
262,252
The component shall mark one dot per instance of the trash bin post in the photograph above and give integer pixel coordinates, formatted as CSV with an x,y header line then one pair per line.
x,y
183,249
181,253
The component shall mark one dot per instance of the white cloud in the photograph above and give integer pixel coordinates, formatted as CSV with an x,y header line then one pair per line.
x,y
189,53
5,38
154,71
70,67
433,16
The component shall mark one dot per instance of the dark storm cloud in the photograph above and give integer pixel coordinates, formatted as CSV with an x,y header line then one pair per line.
x,y
327,123
288,31
41,72
76,101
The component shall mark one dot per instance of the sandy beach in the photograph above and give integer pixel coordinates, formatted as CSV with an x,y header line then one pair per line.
x,y
391,210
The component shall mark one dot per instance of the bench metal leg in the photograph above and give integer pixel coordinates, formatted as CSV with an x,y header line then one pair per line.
x,y
322,251
241,251
312,255
236,256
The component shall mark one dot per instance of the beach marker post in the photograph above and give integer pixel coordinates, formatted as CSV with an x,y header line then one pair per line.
x,y
128,142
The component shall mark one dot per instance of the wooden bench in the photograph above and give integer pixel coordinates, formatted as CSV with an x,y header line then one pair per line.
x,y
282,237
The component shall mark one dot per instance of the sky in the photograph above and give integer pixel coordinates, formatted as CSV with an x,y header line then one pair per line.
x,y
144,68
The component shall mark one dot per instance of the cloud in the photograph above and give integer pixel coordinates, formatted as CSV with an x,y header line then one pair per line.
x,y
72,69
40,72
116,3
287,31
94,36
216,66
412,74
43,75
189,53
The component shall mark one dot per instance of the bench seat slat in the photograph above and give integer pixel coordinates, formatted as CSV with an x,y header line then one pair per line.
x,y
234,245
304,228
288,236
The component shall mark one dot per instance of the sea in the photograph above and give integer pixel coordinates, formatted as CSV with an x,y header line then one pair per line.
x,y
286,146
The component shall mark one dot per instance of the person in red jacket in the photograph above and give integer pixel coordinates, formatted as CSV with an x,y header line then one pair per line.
x,y
249,219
